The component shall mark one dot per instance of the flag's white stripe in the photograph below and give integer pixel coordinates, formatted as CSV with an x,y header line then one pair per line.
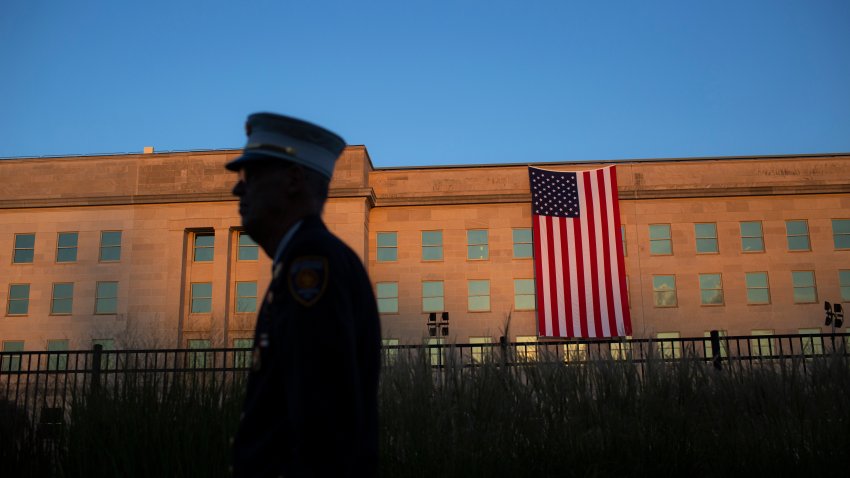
x,y
615,254
585,249
574,293
547,293
600,256
557,241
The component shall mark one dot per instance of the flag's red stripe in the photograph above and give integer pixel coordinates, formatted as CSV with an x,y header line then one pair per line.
x,y
621,263
579,266
538,274
564,270
606,254
593,289
553,292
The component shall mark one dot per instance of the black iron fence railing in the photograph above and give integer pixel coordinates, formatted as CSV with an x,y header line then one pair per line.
x,y
42,385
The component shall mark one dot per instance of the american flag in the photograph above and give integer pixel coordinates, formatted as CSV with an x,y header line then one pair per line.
x,y
578,257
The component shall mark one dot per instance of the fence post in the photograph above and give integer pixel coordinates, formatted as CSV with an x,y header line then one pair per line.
x,y
95,367
715,349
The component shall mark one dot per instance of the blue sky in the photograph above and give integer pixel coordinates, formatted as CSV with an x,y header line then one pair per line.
x,y
431,82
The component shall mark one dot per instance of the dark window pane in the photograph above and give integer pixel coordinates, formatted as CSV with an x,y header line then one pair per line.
x,y
25,241
23,256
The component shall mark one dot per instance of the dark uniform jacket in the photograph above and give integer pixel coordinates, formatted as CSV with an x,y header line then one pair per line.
x,y
311,404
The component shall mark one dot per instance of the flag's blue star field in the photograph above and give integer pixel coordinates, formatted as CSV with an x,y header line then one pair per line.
x,y
554,193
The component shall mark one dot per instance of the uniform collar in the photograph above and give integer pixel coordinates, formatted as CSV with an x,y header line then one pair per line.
x,y
285,240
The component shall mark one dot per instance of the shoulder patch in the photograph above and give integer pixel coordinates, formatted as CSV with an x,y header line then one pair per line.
x,y
308,278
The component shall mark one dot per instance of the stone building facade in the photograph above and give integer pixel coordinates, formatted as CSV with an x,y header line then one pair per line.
x,y
142,250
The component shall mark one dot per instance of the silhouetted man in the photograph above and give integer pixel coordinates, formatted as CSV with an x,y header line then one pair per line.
x,y
311,404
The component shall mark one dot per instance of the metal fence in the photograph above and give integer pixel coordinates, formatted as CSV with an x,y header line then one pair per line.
x,y
42,385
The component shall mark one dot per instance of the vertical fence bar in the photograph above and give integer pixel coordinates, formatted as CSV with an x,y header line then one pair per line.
x,y
715,349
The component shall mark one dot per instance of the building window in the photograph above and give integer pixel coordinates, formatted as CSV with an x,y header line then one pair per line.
x,y
706,237
660,240
574,352
479,295
387,297
248,248
758,291
432,296
797,233
524,294
811,345
844,283
709,352
623,240
841,233
622,350
110,246
522,243
19,299
63,298
389,348
204,247
711,289
57,361
199,359
477,247
106,300
761,347
669,345
805,291
387,246
752,238
246,297
201,297
479,353
242,358
432,245
24,248
66,247
664,291
12,363
526,348
436,351
107,361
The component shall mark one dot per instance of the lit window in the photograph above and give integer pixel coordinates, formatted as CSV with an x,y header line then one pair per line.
x,y
669,345
24,248
797,233
761,346
524,294
387,246
479,295
623,240
480,353
706,237
57,361
711,289
522,243
575,352
248,248
758,291
660,241
66,247
811,345
110,246
389,347
477,247
841,233
709,352
805,291
63,298
752,238
12,363
19,299
432,296
844,283
387,297
204,246
436,351
664,291
199,359
622,350
432,245
246,297
526,348
242,358
106,299
201,298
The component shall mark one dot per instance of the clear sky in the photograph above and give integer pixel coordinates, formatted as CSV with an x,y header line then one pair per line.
x,y
431,82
